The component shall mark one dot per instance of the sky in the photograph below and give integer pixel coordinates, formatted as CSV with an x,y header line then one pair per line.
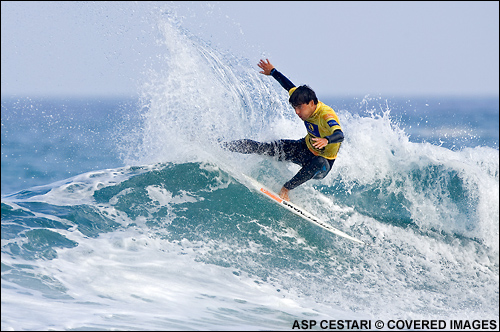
x,y
338,48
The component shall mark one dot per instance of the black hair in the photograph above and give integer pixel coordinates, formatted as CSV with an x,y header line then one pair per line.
x,y
302,95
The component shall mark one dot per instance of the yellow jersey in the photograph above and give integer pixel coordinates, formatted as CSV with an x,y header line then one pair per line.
x,y
322,123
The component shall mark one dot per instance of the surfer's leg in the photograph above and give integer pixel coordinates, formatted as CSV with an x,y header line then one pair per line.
x,y
247,146
295,151
316,168
323,167
285,150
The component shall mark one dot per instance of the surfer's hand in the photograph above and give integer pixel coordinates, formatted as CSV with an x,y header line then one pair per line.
x,y
284,194
319,143
266,67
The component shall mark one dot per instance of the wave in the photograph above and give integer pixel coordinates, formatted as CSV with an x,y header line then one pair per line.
x,y
204,96
220,222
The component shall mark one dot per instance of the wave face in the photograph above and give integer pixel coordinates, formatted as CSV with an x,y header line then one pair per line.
x,y
176,241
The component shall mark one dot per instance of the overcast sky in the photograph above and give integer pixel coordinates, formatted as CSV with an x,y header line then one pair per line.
x,y
338,48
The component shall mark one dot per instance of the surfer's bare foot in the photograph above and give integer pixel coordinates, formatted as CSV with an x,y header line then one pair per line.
x,y
284,194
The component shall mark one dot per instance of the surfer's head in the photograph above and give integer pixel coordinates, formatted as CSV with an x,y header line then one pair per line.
x,y
303,100
301,95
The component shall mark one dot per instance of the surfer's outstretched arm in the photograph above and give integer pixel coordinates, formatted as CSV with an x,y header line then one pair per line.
x,y
268,69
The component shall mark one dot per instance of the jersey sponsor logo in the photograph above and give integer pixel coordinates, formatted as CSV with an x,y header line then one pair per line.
x,y
312,129
333,123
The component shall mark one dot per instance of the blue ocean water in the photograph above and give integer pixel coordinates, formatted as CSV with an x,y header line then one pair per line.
x,y
126,214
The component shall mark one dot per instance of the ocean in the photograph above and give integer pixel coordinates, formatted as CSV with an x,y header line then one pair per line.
x,y
126,214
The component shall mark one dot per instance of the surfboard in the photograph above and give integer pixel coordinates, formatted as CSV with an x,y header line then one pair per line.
x,y
297,210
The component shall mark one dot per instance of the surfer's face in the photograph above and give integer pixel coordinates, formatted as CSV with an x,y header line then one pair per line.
x,y
304,111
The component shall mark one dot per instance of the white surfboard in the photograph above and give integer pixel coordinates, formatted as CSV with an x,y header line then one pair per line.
x,y
297,210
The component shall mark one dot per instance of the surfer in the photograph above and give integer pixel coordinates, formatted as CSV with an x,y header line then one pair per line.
x,y
317,151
